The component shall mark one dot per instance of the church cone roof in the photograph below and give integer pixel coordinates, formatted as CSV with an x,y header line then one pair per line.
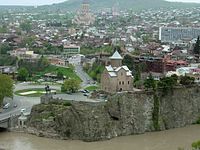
x,y
116,55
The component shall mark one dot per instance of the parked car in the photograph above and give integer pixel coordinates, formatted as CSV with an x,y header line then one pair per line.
x,y
23,110
86,94
82,91
6,106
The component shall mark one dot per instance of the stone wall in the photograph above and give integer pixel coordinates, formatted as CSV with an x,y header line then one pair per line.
x,y
123,114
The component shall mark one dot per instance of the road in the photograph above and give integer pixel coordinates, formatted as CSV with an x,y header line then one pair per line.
x,y
87,80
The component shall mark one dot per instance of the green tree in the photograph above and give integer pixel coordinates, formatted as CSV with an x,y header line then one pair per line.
x,y
6,87
42,63
22,74
150,83
60,75
186,80
70,85
128,61
196,145
137,73
4,48
167,83
196,49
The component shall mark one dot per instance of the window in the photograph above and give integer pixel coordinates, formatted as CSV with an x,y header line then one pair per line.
x,y
119,82
128,82
121,74
122,82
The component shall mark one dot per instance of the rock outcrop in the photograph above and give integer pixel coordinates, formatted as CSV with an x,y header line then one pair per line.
x,y
123,114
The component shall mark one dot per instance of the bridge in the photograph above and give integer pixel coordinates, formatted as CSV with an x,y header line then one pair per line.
x,y
9,121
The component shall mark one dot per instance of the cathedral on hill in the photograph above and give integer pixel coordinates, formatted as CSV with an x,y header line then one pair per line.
x,y
116,77
84,16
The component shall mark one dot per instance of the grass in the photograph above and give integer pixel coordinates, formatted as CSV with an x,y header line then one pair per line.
x,y
68,72
92,88
38,94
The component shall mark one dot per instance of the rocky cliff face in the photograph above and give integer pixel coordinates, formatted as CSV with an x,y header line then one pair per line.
x,y
123,114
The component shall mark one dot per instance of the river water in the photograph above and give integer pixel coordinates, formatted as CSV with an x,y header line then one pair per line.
x,y
165,140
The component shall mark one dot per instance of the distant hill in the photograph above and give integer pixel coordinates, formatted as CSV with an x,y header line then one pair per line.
x,y
72,5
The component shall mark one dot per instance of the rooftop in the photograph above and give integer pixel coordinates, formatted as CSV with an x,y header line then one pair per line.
x,y
116,55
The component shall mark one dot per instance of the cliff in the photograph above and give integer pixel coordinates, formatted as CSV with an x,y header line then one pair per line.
x,y
123,114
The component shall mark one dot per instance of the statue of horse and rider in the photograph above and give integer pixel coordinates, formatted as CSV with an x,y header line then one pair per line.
x,y
47,89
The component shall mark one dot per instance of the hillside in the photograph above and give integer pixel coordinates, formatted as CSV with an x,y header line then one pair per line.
x,y
122,4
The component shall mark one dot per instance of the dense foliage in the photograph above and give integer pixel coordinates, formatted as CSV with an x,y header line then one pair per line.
x,y
196,49
22,74
95,71
70,85
6,87
6,60
36,66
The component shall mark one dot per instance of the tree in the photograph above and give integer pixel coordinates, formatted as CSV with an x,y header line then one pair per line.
x,y
60,75
70,85
128,61
6,87
196,49
150,83
167,83
186,80
22,74
196,145
4,48
137,73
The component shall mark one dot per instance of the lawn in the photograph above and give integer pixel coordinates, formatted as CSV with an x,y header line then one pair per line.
x,y
68,72
92,88
33,92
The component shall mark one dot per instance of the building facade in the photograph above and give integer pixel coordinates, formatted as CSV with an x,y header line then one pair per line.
x,y
70,50
177,34
116,78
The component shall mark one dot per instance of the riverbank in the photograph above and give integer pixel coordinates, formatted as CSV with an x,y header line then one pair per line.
x,y
163,140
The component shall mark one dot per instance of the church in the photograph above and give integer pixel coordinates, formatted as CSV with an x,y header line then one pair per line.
x,y
84,16
115,77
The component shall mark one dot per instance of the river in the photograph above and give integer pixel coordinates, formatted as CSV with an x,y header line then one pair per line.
x,y
165,140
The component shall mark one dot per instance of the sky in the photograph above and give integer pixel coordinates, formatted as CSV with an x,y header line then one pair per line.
x,y
43,2
192,1
29,2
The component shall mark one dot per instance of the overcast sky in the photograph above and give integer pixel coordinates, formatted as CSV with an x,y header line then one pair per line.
x,y
29,2
195,1
42,2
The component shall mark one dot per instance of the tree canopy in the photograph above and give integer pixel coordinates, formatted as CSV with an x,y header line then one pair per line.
x,y
6,87
22,74
196,49
70,85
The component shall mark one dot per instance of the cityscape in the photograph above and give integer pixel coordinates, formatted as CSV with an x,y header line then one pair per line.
x,y
89,74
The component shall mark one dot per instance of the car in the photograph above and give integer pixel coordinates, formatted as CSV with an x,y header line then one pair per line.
x,y
6,106
23,110
87,91
82,91
15,105
85,94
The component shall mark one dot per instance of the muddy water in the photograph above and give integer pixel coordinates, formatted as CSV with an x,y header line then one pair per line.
x,y
165,140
